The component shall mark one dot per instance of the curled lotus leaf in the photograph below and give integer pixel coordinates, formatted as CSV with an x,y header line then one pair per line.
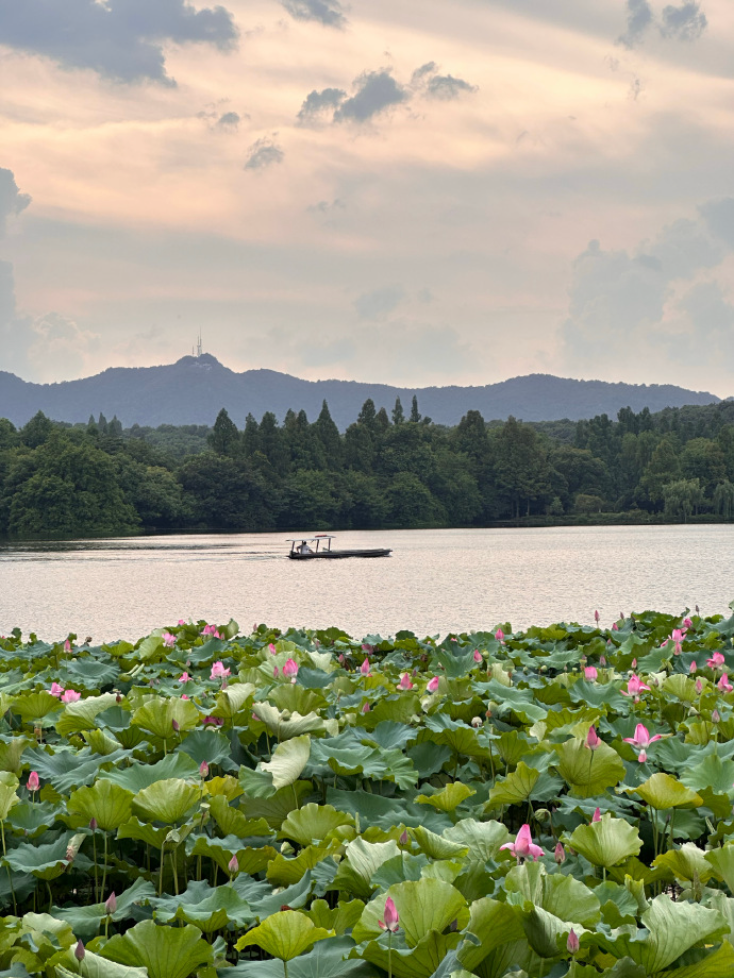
x,y
284,935
607,842
313,823
157,717
663,791
449,798
288,761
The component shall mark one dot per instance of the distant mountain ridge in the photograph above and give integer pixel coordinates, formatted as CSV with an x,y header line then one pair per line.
x,y
194,389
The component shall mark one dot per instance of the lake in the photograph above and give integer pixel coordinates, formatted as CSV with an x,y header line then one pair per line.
x,y
436,581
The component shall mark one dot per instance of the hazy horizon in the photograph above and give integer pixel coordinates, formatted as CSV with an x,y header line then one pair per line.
x,y
423,194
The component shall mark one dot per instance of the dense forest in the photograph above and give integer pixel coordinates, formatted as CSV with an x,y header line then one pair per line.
x,y
386,471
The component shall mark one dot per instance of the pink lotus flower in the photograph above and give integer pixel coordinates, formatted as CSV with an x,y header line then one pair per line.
x,y
432,685
184,696
724,685
233,866
366,708
573,943
693,666
290,670
169,640
67,646
642,737
592,739
56,690
559,853
499,635
392,919
596,617
615,627
71,696
110,904
596,817
34,782
184,677
203,770
523,846
716,660
219,672
405,682
181,621
687,623
477,655
365,668
634,687
590,673
272,649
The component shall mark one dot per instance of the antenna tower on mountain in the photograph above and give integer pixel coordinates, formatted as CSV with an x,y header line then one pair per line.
x,y
199,348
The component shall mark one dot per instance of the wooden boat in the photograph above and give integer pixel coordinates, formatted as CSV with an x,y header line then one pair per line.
x,y
301,549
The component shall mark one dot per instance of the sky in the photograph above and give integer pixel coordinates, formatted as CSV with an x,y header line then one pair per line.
x,y
428,192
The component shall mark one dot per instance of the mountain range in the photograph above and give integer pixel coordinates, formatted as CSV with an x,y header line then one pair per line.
x,y
195,388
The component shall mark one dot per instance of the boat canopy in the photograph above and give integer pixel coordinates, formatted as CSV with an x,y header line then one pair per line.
x,y
319,536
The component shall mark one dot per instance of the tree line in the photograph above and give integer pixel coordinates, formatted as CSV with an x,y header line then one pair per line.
x,y
396,470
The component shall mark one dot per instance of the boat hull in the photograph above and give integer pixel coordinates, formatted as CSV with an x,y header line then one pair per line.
x,y
339,554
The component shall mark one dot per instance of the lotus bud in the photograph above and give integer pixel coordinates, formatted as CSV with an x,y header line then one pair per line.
x,y
366,708
543,670
573,942
477,655
542,816
176,726
233,866
111,904
79,951
715,718
93,824
596,817
392,919
634,663
693,666
592,739
699,686
33,781
432,685
118,698
602,660
204,769
596,617
559,853
404,838
499,635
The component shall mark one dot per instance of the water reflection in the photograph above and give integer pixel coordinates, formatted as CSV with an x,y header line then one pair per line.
x,y
436,581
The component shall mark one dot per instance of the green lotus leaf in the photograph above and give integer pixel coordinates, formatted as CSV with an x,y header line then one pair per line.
x,y
157,716
339,919
104,801
438,846
101,742
31,819
607,842
722,860
294,698
681,687
67,769
423,906
663,791
45,862
211,746
362,859
292,726
589,772
546,933
514,789
313,823
233,700
166,952
86,921
208,908
82,715
391,735
712,772
328,959
93,966
32,707
672,929
231,821
687,863
250,860
491,924
276,805
371,762
139,776
143,832
718,963
411,962
11,754
8,793
288,761
284,935
166,801
483,839
284,871
449,798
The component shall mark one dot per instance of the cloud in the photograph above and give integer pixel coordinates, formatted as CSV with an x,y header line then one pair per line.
x,y
622,303
230,120
263,153
119,39
447,87
375,92
685,23
719,218
317,103
59,345
327,12
12,201
639,20
379,303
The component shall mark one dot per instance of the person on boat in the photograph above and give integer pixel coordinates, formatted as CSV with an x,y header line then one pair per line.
x,y
304,548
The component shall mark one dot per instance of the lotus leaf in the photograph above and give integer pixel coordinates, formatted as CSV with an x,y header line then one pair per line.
x,y
166,952
283,871
233,700
449,798
232,822
106,802
82,715
85,921
663,791
361,861
423,906
589,772
165,801
210,909
288,761
607,842
312,823
284,935
157,717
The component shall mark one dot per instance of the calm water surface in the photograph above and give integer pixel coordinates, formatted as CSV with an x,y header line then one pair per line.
x,y
436,581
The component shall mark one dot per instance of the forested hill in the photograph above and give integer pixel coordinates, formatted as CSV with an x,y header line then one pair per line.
x,y
194,389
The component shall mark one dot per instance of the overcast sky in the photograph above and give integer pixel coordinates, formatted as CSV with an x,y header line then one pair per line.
x,y
410,191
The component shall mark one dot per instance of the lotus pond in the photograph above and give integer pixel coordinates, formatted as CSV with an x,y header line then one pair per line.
x,y
305,805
